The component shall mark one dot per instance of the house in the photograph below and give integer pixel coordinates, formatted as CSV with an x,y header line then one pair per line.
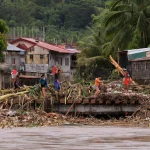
x,y
13,58
42,56
141,69
137,62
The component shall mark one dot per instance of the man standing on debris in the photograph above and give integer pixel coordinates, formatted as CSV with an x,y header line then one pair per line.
x,y
126,80
57,80
97,86
16,82
43,84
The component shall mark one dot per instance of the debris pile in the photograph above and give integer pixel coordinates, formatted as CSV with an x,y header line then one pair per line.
x,y
25,108
9,118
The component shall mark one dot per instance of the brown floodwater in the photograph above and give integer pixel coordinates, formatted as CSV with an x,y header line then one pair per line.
x,y
75,138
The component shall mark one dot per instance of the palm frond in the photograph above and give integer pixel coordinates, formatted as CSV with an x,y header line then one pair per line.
x,y
114,5
115,16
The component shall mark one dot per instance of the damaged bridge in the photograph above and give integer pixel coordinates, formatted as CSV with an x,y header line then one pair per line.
x,y
105,104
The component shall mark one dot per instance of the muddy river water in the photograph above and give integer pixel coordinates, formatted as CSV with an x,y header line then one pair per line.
x,y
75,138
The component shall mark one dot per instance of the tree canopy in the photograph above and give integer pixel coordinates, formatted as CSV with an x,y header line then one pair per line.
x,y
122,25
64,20
3,43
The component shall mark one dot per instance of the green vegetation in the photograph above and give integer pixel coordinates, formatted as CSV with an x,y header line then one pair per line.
x,y
99,27
63,20
123,24
3,43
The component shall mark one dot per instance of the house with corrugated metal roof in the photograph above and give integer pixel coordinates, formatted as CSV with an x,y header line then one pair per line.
x,y
14,58
42,56
137,62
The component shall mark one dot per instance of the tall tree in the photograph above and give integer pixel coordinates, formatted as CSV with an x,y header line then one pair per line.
x,y
3,43
128,25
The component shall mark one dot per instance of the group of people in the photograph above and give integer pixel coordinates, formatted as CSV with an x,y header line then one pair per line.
x,y
99,83
44,83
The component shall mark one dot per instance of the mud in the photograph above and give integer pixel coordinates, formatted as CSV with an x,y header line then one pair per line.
x,y
75,138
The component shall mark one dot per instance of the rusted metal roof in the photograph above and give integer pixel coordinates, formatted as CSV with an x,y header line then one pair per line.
x,y
141,59
46,45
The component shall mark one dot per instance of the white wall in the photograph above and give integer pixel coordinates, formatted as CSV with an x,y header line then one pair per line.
x,y
53,61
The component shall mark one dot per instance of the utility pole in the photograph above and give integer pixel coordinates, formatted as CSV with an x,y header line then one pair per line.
x,y
14,33
43,33
32,32
25,31
20,31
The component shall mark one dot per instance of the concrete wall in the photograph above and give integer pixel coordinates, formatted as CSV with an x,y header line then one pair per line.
x,y
5,80
140,70
8,59
55,62
36,68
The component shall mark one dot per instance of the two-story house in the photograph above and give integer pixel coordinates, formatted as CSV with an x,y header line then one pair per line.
x,y
41,56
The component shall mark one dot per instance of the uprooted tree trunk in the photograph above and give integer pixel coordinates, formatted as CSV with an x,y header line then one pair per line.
x,y
13,94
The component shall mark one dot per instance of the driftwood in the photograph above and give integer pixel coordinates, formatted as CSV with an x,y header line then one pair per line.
x,y
11,95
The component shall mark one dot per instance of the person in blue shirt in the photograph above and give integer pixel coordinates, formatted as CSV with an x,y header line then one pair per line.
x,y
43,84
57,80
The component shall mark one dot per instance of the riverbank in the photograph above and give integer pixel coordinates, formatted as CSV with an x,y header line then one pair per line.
x,y
11,119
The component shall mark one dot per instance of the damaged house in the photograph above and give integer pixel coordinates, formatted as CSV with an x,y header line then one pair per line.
x,y
137,62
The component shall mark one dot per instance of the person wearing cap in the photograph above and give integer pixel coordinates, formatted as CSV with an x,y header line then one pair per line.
x,y
43,84
97,86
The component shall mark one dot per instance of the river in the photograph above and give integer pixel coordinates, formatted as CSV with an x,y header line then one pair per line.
x,y
75,138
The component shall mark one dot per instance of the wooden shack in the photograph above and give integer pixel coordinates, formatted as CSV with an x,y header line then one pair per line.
x,y
137,62
141,70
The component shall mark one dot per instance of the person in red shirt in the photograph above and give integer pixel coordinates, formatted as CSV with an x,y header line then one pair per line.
x,y
126,81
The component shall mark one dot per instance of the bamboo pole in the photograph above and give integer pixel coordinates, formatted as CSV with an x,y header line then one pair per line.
x,y
119,68
13,94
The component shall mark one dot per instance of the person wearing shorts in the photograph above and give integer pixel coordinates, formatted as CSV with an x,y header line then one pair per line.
x,y
43,84
96,86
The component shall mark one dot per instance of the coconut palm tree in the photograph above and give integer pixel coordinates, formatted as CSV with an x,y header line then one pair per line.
x,y
128,25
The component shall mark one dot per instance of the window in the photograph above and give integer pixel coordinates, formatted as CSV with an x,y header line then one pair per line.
x,y
135,66
146,66
66,61
41,56
31,56
13,61
59,59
